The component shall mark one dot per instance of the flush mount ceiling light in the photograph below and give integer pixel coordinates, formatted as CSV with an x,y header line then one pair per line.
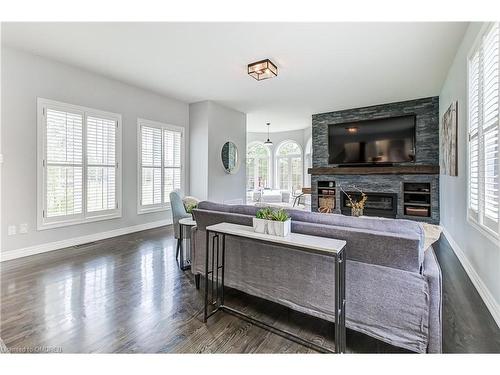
x,y
263,69
268,142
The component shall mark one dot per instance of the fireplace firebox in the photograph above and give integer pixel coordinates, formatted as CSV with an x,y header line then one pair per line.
x,y
377,204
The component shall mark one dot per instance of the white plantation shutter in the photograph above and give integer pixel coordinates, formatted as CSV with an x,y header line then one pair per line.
x,y
101,164
79,175
160,165
151,162
63,163
490,127
474,134
484,141
172,162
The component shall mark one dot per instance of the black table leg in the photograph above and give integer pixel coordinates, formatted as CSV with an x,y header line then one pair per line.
x,y
343,269
222,271
205,310
340,331
337,304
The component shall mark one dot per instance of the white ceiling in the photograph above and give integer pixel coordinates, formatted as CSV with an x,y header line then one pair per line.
x,y
322,66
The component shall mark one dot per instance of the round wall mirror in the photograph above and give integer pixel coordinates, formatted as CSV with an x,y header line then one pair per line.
x,y
230,159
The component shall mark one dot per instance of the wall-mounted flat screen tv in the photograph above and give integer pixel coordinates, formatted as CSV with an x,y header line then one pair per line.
x,y
381,141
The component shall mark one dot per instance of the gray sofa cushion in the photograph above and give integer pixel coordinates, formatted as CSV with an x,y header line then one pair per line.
x,y
400,251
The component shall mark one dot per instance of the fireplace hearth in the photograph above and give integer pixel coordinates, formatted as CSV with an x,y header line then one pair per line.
x,y
378,204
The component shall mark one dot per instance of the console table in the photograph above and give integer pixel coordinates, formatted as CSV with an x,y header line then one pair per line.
x,y
215,265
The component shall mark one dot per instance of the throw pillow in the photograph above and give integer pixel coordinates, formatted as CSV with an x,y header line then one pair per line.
x,y
431,234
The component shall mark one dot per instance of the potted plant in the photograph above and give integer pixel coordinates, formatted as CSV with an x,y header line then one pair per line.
x,y
190,207
279,223
260,220
190,203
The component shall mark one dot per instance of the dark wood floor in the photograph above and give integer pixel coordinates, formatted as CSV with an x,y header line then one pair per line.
x,y
468,326
127,294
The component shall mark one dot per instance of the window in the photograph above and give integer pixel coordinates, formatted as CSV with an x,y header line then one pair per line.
x,y
289,166
258,162
79,164
161,153
483,177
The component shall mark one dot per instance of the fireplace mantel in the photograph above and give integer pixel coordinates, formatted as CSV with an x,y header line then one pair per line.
x,y
403,169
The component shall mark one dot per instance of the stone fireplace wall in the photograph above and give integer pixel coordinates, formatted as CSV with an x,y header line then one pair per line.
x,y
426,147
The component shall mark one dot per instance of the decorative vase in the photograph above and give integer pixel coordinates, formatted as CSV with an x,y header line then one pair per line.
x,y
357,212
260,225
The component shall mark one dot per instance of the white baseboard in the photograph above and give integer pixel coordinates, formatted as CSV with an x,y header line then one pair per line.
x,y
51,246
481,287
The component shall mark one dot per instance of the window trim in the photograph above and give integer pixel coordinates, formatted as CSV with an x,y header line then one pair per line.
x,y
474,218
44,223
163,126
289,157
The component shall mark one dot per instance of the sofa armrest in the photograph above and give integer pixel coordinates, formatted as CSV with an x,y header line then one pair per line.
x,y
432,273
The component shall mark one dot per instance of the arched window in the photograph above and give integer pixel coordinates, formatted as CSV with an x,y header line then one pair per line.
x,y
258,163
289,166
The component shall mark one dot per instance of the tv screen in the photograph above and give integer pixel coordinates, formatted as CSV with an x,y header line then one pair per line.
x,y
381,141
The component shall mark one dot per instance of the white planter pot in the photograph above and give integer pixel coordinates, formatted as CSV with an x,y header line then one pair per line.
x,y
260,225
279,228
270,227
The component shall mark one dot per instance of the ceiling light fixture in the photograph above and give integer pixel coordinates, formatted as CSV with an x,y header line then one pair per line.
x,y
268,142
263,69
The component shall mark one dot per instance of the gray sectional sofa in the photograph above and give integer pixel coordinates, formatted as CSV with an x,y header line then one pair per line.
x,y
393,284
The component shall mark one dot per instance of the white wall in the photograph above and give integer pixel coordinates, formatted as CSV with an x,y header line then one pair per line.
x,y
198,140
299,136
479,254
26,77
226,124
213,125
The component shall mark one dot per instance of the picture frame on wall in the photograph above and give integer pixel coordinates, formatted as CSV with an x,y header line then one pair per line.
x,y
449,141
